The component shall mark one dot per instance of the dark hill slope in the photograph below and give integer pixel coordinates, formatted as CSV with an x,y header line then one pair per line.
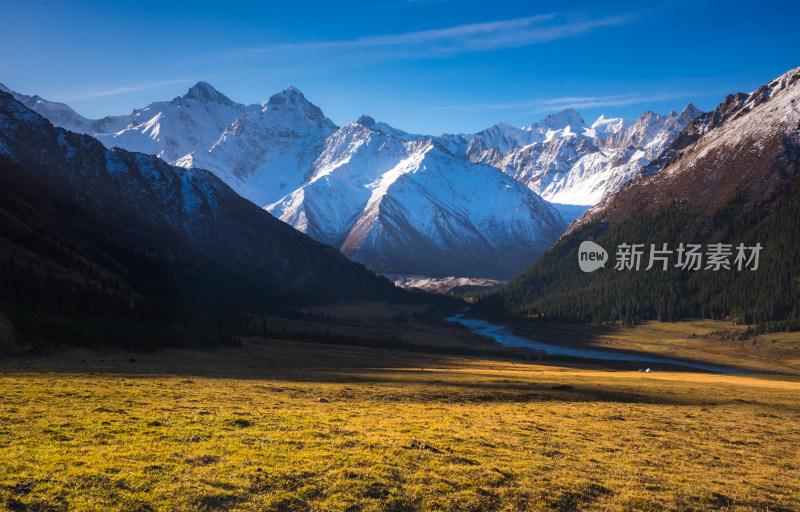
x,y
88,232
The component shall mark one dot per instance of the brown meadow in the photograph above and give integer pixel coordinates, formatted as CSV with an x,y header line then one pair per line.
x,y
295,426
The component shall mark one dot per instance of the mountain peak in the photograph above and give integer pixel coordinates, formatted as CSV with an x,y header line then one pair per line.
x,y
502,126
365,120
691,111
4,88
205,93
292,100
567,117
289,96
605,124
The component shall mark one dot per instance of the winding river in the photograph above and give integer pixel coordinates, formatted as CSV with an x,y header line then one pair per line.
x,y
501,335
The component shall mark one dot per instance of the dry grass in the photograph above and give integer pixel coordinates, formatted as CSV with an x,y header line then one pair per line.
x,y
379,320
241,429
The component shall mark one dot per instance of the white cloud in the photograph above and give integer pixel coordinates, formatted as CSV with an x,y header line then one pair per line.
x,y
125,89
474,37
579,102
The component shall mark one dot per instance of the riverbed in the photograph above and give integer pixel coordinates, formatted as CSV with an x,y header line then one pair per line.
x,y
501,335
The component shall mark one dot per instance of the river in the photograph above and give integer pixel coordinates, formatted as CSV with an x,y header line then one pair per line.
x,y
501,335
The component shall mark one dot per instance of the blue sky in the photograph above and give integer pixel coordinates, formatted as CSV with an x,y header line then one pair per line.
x,y
425,66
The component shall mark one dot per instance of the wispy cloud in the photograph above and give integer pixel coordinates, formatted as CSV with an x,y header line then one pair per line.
x,y
442,42
126,89
614,100
579,102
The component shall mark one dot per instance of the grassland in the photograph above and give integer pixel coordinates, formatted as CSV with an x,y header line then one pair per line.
x,y
244,429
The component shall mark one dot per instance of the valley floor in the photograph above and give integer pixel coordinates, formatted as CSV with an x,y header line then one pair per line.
x,y
710,341
276,425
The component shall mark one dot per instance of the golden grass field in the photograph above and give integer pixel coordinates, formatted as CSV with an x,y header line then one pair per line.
x,y
242,429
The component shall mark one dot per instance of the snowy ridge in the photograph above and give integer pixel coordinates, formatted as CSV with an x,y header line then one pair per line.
x,y
261,151
266,153
173,129
398,202
411,207
743,149
740,141
564,160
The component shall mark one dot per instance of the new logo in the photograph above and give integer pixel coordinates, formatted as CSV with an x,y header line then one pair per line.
x,y
591,256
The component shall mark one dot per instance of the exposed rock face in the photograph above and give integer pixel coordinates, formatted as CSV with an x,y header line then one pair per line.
x,y
747,145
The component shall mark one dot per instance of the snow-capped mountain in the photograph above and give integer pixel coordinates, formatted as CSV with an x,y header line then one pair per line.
x,y
566,161
167,129
263,152
406,205
172,129
398,202
491,144
395,201
266,153
187,223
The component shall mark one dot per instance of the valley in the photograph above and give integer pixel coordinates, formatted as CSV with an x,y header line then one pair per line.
x,y
718,345
208,305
